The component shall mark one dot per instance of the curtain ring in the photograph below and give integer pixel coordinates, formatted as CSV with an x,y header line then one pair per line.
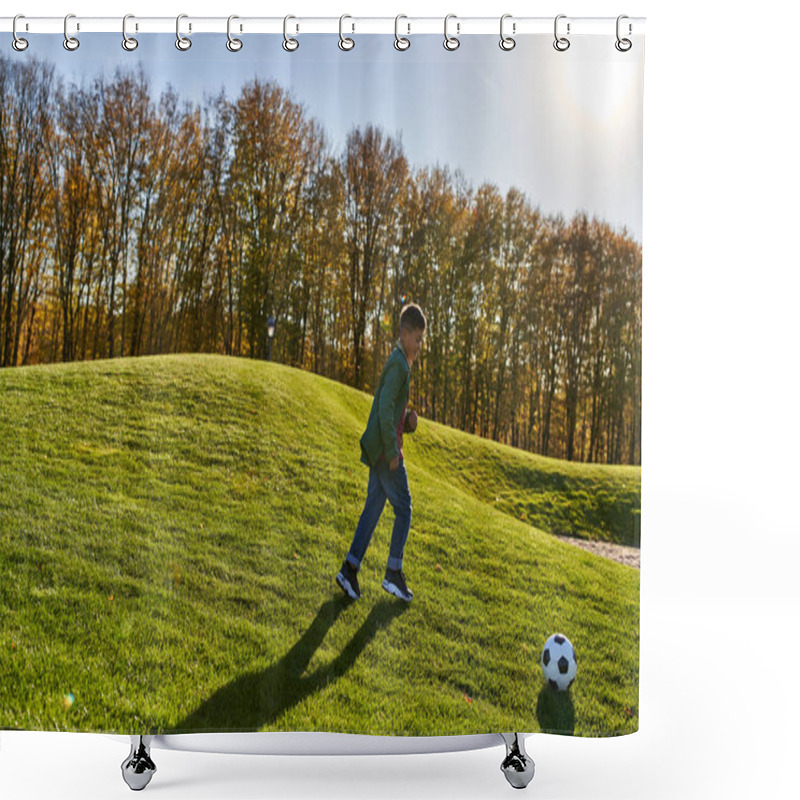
x,y
181,42
70,42
233,44
623,45
289,44
345,43
561,43
451,42
506,42
19,43
400,42
128,42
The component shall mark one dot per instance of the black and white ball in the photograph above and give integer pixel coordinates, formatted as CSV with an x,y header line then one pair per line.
x,y
559,662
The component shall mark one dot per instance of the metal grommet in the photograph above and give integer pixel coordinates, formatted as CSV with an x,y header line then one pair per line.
x,y
233,44
400,42
128,42
345,43
19,43
70,42
289,43
451,42
561,43
181,42
506,42
623,45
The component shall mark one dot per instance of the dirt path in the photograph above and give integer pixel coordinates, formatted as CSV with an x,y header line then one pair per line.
x,y
620,553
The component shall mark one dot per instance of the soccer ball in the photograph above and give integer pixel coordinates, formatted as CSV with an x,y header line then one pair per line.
x,y
559,662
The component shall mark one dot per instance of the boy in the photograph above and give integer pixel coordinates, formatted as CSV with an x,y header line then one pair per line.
x,y
382,452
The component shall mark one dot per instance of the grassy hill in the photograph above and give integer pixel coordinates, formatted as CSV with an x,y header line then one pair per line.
x,y
170,529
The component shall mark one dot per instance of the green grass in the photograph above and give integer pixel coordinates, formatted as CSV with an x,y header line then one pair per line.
x,y
170,529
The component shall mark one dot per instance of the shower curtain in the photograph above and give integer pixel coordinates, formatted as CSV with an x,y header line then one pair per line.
x,y
205,252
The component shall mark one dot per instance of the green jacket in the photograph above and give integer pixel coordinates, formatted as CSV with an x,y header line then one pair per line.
x,y
390,399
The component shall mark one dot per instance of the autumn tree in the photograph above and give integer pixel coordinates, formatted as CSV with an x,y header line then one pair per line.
x,y
374,169
275,150
27,92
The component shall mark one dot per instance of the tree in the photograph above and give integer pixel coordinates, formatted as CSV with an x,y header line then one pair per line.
x,y
374,169
276,149
25,129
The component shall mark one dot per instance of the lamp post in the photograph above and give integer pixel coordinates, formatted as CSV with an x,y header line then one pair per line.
x,y
270,335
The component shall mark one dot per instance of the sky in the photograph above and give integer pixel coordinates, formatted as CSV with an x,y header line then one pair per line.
x,y
564,128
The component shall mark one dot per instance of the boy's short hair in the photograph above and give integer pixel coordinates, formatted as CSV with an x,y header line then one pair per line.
x,y
412,318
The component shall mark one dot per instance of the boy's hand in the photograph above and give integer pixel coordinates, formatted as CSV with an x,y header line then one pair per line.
x,y
394,463
410,422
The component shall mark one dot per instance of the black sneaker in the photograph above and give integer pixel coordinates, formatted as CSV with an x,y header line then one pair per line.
x,y
395,583
348,581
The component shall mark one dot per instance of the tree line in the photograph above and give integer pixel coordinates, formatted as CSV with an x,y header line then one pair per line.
x,y
133,226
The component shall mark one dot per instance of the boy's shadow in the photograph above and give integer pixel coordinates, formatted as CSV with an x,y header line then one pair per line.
x,y
258,698
555,712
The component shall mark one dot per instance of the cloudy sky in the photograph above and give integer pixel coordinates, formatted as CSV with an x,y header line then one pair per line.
x,y
565,128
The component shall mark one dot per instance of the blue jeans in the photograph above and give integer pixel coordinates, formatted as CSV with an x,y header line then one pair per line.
x,y
384,484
